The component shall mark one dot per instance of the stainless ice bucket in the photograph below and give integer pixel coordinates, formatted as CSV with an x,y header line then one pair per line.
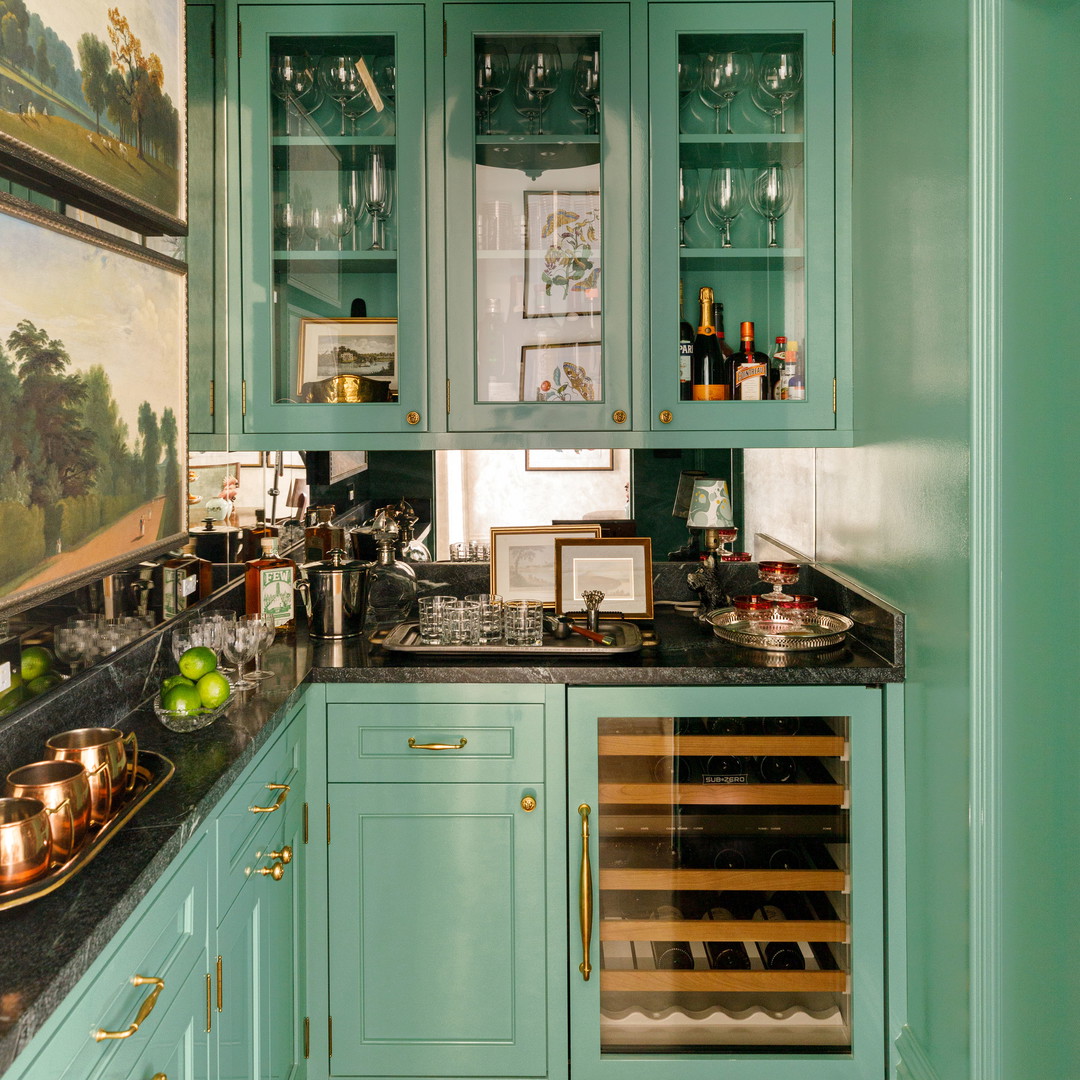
x,y
335,591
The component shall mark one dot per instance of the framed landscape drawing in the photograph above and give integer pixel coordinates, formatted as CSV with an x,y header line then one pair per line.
x,y
93,390
92,106
523,559
619,567
364,347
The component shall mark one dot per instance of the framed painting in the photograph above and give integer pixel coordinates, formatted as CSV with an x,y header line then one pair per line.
x,y
569,460
366,348
93,392
523,559
562,254
213,492
561,371
92,107
619,567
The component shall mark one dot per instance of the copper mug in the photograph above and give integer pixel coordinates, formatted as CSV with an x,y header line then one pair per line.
x,y
64,789
25,842
103,753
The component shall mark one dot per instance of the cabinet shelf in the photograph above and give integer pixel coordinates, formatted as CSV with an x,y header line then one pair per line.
x,y
315,153
747,151
729,981
671,880
732,930
704,745
537,153
336,262
723,794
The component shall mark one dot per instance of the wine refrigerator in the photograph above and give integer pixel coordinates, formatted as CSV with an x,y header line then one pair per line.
x,y
726,871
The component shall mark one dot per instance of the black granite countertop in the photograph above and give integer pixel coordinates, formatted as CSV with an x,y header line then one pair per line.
x,y
50,943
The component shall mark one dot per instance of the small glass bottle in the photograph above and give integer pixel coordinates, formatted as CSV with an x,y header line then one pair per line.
x,y
777,382
268,585
796,386
320,537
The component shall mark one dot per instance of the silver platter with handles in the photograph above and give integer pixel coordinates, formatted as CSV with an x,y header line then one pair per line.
x,y
780,635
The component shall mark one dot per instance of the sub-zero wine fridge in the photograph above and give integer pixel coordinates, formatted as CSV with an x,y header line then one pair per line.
x,y
726,882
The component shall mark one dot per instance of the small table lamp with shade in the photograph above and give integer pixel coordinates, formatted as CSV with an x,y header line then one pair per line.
x,y
710,509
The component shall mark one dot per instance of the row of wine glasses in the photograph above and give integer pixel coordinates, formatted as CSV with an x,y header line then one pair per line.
x,y
539,72
369,190
300,82
723,193
86,638
719,77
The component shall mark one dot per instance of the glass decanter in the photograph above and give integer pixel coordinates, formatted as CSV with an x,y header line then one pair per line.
x,y
393,588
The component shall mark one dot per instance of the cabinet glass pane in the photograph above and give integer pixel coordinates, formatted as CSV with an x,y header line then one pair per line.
x,y
742,201
539,252
334,221
724,883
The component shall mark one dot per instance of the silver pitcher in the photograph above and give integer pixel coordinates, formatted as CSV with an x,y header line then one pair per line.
x,y
335,593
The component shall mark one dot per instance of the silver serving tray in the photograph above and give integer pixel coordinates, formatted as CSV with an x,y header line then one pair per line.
x,y
405,637
780,635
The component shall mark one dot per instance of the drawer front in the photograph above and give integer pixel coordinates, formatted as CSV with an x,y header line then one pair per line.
x,y
245,835
435,742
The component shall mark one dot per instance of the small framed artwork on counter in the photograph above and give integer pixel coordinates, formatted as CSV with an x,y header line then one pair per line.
x,y
523,559
619,567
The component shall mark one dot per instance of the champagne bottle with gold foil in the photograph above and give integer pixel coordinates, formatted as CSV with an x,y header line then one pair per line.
x,y
708,367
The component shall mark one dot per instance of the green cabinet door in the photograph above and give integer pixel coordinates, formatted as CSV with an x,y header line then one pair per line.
x,y
330,190
730,842
438,953
712,168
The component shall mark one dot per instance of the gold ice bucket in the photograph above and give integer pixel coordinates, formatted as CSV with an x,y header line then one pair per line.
x,y
346,389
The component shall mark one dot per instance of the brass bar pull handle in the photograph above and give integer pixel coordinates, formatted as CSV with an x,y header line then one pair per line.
x,y
283,788
145,1009
585,893
209,1005
219,985
133,767
414,745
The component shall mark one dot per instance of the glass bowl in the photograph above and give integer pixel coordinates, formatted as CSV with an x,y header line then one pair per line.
x,y
189,721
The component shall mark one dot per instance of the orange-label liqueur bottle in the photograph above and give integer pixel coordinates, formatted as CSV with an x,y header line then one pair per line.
x,y
749,369
268,585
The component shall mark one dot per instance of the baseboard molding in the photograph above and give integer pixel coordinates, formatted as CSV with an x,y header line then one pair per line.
x,y
912,1061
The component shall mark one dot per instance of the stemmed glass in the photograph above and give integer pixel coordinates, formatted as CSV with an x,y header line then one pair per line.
x,y
267,629
780,74
314,226
766,102
289,223
339,77
723,75
528,105
538,73
492,76
771,196
778,574
385,74
241,639
290,78
586,87
339,222
356,106
378,192
689,196
689,73
725,198
69,644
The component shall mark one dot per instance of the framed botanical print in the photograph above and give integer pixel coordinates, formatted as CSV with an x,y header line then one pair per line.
x,y
562,253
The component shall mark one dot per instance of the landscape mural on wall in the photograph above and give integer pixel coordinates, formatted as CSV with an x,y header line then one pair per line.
x,y
91,99
92,390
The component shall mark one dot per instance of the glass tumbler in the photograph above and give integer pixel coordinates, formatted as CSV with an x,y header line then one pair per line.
x,y
462,619
491,616
523,622
433,626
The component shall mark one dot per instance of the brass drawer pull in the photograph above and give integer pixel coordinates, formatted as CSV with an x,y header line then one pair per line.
x,y
283,788
145,1009
414,745
585,893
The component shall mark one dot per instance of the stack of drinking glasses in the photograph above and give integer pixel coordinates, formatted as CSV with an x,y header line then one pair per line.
x,y
480,619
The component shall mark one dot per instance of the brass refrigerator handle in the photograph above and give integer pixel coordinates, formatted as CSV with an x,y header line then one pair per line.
x,y
284,791
585,893
460,745
145,1009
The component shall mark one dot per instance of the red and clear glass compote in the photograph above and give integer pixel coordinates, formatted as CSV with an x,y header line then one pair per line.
x,y
778,574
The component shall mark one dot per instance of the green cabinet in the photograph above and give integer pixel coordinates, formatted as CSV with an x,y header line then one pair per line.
x,y
726,854
444,901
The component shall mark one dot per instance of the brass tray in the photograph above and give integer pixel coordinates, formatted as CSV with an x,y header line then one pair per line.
x,y
152,774
780,635
405,637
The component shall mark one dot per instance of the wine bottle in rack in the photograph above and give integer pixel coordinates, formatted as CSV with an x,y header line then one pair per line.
x,y
780,725
729,858
723,725
671,770
778,955
671,955
776,769
726,769
785,858
725,955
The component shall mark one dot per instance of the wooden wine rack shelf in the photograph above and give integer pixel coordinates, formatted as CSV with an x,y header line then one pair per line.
x,y
707,745
670,880
627,794
730,981
731,930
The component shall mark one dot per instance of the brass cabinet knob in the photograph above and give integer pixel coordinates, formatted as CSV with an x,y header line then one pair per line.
x,y
665,416
528,804
619,416
285,855
277,871
412,418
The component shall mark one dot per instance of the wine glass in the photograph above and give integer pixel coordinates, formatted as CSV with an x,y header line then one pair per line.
x,y
357,106
339,222
766,102
689,196
780,74
339,77
385,73
267,629
770,196
689,73
539,71
241,639
492,77
69,644
528,105
586,86
378,193
725,198
289,223
290,78
314,226
723,75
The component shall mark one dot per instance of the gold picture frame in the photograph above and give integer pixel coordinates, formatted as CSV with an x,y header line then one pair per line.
x,y
361,350
619,566
523,559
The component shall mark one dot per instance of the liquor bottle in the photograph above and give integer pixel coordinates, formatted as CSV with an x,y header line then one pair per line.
x,y
184,580
251,543
796,387
320,537
776,769
393,587
778,955
718,322
725,955
777,364
686,354
671,955
708,369
749,369
268,585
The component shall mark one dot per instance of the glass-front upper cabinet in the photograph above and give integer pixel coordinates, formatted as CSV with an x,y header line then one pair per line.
x,y
331,127
742,203
538,189
728,869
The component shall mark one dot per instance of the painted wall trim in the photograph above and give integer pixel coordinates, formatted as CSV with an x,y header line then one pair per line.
x,y
986,20
913,1063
